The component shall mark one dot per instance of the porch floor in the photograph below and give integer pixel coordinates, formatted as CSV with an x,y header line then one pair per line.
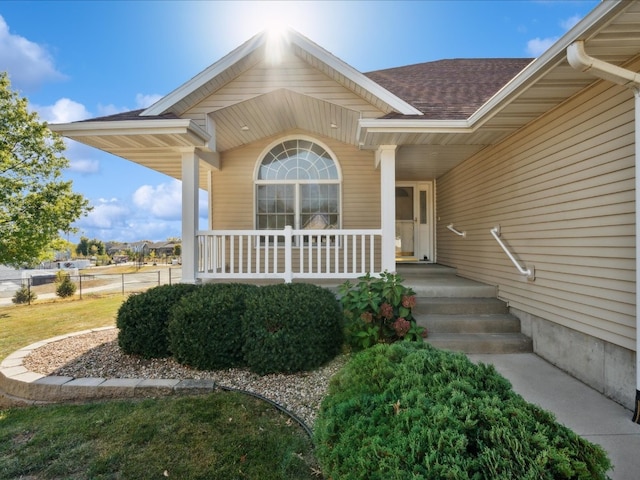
x,y
428,280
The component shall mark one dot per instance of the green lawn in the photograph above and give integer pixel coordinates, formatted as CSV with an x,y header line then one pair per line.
x,y
222,435
22,325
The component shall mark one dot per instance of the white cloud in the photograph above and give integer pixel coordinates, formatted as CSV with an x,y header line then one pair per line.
x,y
144,219
84,166
28,64
537,46
162,201
105,215
144,101
111,109
570,22
63,111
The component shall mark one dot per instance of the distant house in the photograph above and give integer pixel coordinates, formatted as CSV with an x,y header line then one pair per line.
x,y
162,249
316,170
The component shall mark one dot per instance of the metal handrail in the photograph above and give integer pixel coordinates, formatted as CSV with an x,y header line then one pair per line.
x,y
457,232
529,272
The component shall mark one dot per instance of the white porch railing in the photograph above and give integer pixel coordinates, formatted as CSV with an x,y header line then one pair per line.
x,y
287,254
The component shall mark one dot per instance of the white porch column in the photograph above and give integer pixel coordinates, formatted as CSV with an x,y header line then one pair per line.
x,y
190,179
386,158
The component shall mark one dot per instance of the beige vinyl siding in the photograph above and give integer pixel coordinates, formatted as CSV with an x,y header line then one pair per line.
x,y
232,193
562,190
291,73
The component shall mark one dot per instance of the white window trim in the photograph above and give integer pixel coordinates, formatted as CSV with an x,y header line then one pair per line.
x,y
296,182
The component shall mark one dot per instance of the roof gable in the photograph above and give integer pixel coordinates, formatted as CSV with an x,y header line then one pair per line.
x,y
257,49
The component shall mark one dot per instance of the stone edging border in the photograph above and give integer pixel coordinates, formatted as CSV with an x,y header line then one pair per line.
x,y
20,385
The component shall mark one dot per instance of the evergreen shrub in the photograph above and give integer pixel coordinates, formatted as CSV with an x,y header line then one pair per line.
x,y
24,295
205,327
142,320
408,410
64,286
291,327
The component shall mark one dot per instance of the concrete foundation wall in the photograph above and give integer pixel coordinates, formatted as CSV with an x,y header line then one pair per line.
x,y
606,367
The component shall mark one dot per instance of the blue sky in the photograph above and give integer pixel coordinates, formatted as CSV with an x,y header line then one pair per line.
x,y
75,60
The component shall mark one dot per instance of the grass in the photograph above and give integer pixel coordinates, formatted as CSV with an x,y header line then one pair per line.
x,y
218,436
22,325
223,435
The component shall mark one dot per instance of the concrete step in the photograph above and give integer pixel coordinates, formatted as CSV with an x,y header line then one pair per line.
x,y
494,323
482,342
409,270
457,305
451,287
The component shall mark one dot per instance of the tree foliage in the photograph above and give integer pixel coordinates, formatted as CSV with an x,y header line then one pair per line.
x,y
35,203
88,247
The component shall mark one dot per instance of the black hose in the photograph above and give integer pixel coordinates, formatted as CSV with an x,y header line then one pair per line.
x,y
292,415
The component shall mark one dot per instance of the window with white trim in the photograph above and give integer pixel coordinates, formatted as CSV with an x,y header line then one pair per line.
x,y
297,184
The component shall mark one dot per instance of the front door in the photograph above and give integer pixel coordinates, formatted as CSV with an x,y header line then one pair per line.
x,y
414,222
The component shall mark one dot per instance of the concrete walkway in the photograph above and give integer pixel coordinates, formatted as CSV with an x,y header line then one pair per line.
x,y
576,405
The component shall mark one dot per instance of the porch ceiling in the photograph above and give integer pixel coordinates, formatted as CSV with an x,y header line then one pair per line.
x,y
280,111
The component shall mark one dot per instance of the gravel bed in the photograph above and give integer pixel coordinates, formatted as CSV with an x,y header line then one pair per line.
x,y
97,354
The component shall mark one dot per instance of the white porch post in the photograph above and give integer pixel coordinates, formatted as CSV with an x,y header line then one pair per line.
x,y
386,158
190,179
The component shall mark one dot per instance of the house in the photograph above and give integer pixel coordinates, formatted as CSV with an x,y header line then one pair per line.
x,y
519,173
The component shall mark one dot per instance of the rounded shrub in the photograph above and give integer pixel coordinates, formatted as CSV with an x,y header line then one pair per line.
x,y
142,320
291,327
408,411
205,327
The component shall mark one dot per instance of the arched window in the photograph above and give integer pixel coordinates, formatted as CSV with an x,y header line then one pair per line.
x,y
297,184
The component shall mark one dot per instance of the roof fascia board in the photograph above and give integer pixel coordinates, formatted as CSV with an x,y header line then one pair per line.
x,y
168,101
551,57
131,127
354,75
373,125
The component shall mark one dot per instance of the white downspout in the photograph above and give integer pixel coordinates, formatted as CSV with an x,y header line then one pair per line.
x,y
579,60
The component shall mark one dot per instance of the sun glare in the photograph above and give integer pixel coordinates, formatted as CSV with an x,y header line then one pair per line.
x,y
277,37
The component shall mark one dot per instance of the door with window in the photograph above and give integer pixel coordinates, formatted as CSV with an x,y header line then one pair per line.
x,y
414,222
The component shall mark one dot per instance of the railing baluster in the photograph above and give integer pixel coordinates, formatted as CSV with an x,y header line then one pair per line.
x,y
372,252
249,252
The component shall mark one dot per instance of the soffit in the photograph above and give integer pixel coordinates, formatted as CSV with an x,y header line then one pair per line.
x,y
156,144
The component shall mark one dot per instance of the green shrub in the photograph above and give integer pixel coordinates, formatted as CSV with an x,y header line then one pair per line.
x,y
23,295
205,327
291,327
142,320
407,410
378,310
64,286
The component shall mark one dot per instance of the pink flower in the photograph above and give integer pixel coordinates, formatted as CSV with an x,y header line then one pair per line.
x,y
386,310
401,326
367,317
409,301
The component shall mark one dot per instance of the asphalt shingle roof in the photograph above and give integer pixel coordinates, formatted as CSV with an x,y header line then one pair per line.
x,y
442,90
448,89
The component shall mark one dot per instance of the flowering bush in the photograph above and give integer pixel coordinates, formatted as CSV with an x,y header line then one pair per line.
x,y
378,310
